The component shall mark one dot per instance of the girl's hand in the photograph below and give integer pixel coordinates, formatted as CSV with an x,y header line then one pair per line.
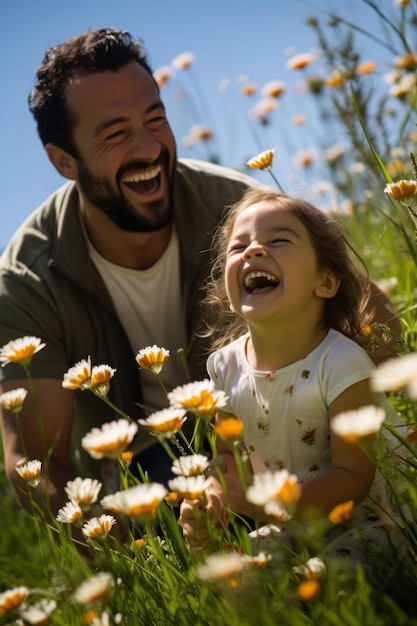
x,y
198,521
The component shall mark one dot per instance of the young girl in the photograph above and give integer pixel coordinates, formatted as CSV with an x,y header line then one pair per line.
x,y
288,294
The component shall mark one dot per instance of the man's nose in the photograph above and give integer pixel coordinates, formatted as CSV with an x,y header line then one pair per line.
x,y
145,146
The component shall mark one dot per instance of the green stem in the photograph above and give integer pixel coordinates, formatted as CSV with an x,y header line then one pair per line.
x,y
274,178
36,405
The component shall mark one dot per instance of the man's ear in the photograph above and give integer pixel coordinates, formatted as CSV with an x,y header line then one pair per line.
x,y
327,284
63,162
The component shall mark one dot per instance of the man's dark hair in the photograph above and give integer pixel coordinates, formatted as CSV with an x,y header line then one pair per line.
x,y
94,51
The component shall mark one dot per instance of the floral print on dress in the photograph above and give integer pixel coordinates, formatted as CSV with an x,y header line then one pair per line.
x,y
263,427
305,374
289,390
310,436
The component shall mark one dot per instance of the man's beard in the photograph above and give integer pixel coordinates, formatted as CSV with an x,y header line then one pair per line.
x,y
109,199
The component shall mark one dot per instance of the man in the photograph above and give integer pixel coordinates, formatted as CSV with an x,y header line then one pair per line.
x,y
110,263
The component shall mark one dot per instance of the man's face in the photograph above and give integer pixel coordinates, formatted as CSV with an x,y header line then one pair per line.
x,y
126,149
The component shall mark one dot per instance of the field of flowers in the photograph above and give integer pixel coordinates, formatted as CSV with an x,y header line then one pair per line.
x,y
122,559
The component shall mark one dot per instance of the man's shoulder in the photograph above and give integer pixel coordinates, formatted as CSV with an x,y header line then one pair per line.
x,y
37,233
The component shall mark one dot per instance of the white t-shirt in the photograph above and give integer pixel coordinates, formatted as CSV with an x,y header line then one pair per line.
x,y
285,412
148,303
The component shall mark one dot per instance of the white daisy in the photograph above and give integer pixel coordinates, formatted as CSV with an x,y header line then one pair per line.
x,y
39,612
395,374
191,465
221,567
274,489
100,379
98,527
189,487
110,440
95,588
139,502
20,350
165,423
360,425
83,490
71,513
78,376
13,400
12,598
152,358
30,471
199,397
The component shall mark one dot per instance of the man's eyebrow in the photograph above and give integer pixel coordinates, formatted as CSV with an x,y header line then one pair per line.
x,y
122,119
107,124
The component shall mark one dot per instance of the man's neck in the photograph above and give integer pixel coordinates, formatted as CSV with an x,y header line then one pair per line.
x,y
125,248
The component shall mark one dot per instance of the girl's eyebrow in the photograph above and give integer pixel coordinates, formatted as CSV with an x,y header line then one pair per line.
x,y
275,230
285,229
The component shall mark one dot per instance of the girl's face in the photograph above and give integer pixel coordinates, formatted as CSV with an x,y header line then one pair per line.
x,y
271,266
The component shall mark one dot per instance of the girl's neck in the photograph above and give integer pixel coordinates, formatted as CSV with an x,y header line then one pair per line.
x,y
266,353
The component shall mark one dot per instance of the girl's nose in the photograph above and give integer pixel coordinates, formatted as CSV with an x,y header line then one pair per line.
x,y
254,249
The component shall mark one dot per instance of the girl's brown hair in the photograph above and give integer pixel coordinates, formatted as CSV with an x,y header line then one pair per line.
x,y
348,311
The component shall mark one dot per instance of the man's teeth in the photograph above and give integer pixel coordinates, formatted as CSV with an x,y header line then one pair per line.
x,y
141,176
253,275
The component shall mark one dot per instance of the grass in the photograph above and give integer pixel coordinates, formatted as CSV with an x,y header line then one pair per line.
x,y
153,577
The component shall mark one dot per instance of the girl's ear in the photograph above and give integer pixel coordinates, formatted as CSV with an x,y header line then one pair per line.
x,y
63,162
327,284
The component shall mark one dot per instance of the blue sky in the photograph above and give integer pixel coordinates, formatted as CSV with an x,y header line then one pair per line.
x,y
228,38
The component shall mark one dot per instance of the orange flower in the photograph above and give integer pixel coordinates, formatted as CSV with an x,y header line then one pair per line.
x,y
139,543
396,168
127,457
366,68
273,89
89,617
183,61
342,513
229,428
172,498
332,82
401,189
304,159
263,160
201,132
298,120
308,589
407,61
290,491
249,89
300,61
162,76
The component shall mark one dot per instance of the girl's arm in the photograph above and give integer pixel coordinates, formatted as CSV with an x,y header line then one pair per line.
x,y
352,472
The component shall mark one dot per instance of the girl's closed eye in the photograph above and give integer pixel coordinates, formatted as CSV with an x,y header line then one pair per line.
x,y
236,248
280,240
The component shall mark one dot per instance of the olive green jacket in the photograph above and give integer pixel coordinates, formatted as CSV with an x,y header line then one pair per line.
x,y
49,288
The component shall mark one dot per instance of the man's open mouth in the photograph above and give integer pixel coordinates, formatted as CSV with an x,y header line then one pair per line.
x,y
143,182
259,280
